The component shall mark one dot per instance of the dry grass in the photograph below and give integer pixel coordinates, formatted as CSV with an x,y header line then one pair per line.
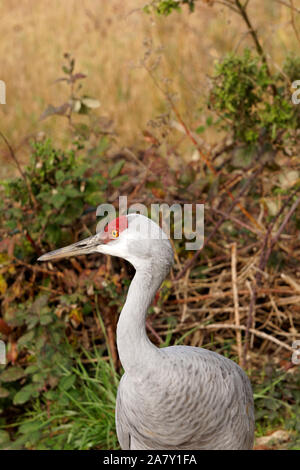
x,y
108,40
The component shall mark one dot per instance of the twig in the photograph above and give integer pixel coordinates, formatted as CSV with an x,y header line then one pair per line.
x,y
194,141
237,221
14,158
111,348
223,295
184,310
282,2
293,21
152,330
192,261
244,15
236,301
243,12
137,188
227,5
259,334
36,268
291,282
265,255
281,228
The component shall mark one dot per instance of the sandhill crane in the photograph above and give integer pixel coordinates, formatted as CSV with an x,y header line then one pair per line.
x,y
177,397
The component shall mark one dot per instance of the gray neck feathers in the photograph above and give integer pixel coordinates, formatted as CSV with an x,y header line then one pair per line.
x,y
135,349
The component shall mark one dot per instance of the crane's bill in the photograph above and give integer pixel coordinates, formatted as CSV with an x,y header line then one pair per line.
x,y
83,247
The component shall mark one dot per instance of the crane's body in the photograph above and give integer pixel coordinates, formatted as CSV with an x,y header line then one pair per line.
x,y
195,399
179,397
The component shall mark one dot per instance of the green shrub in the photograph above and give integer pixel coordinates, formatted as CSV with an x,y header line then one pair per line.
x,y
41,210
251,103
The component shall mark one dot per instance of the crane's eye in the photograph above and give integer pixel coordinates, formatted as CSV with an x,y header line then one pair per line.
x,y
114,233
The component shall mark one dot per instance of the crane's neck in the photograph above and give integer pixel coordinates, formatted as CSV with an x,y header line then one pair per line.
x,y
136,351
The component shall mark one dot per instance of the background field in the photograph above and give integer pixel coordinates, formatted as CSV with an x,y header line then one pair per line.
x,y
108,40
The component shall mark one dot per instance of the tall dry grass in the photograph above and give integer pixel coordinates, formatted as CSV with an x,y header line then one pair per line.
x,y
108,40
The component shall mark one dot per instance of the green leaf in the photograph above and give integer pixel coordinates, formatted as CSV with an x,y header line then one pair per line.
x,y
243,156
46,319
59,176
58,200
94,199
118,181
25,339
84,131
31,369
3,392
115,170
40,342
53,233
200,129
29,427
40,302
23,395
71,192
102,145
67,382
11,374
4,437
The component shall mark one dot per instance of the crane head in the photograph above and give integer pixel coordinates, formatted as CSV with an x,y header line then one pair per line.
x,y
133,237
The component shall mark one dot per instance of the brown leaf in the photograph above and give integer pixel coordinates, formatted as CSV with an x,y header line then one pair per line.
x,y
5,329
70,278
77,76
158,192
150,138
12,354
52,110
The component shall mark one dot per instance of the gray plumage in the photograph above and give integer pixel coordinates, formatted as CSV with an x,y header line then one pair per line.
x,y
191,399
179,397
